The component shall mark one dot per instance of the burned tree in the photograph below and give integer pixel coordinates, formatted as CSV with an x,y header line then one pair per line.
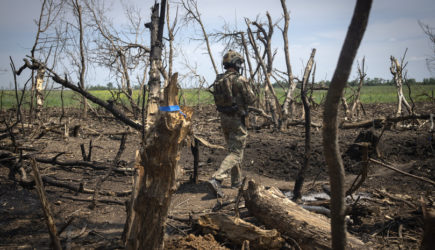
x,y
330,121
304,90
357,105
117,53
289,104
157,174
39,88
396,70
156,27
49,12
429,31
82,65
191,7
272,102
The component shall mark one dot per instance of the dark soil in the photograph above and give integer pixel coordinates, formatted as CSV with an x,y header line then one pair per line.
x,y
389,218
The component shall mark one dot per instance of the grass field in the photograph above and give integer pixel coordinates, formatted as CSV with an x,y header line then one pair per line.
x,y
190,97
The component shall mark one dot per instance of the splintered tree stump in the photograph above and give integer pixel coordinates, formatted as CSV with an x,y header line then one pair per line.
x,y
238,231
157,171
367,138
308,229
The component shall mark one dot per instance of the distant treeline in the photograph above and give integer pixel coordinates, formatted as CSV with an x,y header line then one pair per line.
x,y
367,82
108,86
370,82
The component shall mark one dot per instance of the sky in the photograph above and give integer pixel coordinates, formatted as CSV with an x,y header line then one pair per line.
x,y
393,27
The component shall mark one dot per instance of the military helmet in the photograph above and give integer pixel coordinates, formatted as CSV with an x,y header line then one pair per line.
x,y
232,58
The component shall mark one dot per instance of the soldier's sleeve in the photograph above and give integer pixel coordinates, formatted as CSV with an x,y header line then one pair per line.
x,y
247,92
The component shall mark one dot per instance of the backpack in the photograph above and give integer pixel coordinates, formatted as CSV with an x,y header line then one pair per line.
x,y
222,93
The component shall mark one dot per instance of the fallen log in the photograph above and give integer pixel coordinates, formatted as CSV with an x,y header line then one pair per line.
x,y
308,229
238,231
206,143
302,122
46,208
79,188
67,163
402,172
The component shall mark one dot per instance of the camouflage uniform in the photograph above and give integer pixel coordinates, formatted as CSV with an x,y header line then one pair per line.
x,y
233,124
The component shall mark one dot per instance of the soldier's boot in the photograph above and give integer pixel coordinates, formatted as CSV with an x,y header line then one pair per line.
x,y
215,187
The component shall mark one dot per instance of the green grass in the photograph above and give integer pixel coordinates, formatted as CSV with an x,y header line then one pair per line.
x,y
369,94
374,94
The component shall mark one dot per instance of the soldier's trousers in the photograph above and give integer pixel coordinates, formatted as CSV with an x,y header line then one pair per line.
x,y
235,134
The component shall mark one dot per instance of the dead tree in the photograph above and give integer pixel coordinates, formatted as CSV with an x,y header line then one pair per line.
x,y
46,207
288,105
50,9
39,88
265,37
429,31
156,31
330,121
82,65
35,64
171,37
118,55
357,105
304,89
157,174
396,70
191,7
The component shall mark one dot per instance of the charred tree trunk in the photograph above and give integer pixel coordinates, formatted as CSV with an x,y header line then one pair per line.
x,y
330,121
301,175
157,174
194,147
310,230
155,62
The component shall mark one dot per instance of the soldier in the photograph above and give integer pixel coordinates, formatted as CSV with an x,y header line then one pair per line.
x,y
232,95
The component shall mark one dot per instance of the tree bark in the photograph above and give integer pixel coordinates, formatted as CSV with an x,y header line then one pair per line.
x,y
157,173
330,121
309,230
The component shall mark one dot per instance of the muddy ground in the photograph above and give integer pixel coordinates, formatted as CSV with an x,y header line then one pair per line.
x,y
388,214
